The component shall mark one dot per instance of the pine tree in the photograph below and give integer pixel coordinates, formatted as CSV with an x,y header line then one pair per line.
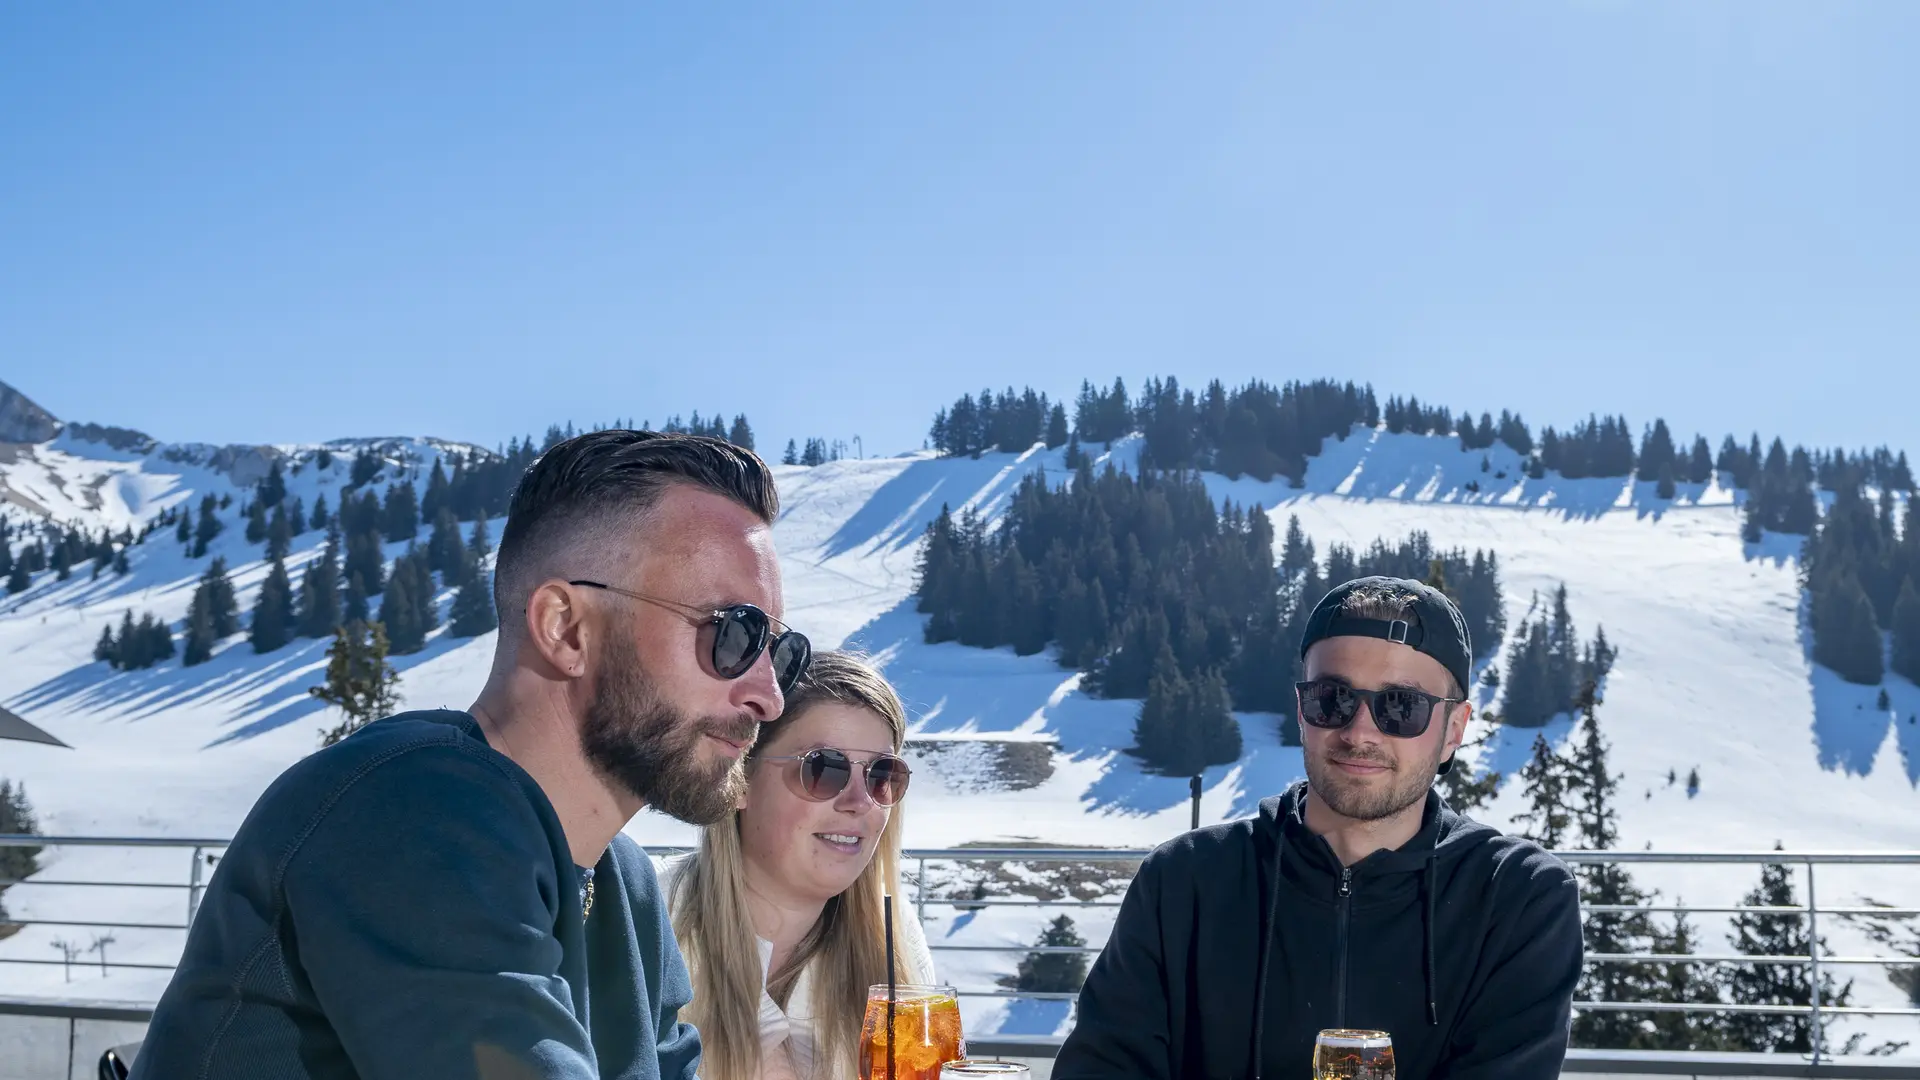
x,y
741,433
183,529
297,517
17,818
6,552
273,488
1547,781
446,553
1607,885
273,614
478,546
104,648
1159,736
1845,636
223,611
400,610
792,456
200,636
1053,973
1700,467
1683,983
366,561
402,512
1906,632
18,579
438,493
256,522
1665,489
279,534
319,605
356,607
208,527
1656,451
1218,733
1752,519
360,682
320,514
1769,934
1057,427
129,649
120,565
157,639
473,611
1297,554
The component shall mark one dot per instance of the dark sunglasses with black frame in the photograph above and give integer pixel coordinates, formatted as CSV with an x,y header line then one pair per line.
x,y
741,633
825,771
1399,711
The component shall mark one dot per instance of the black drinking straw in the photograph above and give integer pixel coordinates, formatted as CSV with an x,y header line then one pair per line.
x,y
887,900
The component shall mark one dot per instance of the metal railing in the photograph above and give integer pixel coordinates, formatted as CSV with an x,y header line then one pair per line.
x,y
204,852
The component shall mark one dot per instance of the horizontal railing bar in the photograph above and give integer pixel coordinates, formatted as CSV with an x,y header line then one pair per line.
x,y
1591,1006
1042,949
9,882
1108,854
1028,854
1743,958
1784,858
1668,909
85,963
1027,995
934,901
19,840
117,925
70,1009
1775,1010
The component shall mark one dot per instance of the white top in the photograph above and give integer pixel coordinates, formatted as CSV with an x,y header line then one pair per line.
x,y
794,1024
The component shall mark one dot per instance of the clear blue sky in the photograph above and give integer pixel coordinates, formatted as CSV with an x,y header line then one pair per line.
x,y
248,222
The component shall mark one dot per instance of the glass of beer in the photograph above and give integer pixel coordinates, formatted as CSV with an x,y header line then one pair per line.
x,y
1344,1054
926,1032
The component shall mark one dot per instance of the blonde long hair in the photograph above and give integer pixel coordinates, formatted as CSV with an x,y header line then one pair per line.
x,y
847,945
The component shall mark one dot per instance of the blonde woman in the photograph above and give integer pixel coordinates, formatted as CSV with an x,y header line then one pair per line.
x,y
779,912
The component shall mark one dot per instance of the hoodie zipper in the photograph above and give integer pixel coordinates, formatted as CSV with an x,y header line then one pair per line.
x,y
1340,946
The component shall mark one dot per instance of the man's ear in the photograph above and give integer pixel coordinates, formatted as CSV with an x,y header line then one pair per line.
x,y
556,628
1457,721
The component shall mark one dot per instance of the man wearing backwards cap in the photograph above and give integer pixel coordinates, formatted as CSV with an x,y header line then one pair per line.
x,y
1356,899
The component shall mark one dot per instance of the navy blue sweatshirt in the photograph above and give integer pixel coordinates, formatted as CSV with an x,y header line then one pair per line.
x,y
1237,944
404,905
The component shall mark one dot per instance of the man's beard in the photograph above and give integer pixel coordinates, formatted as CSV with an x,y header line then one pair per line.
x,y
1359,801
635,738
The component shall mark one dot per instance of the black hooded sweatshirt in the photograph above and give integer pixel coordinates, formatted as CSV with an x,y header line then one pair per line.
x,y
1237,944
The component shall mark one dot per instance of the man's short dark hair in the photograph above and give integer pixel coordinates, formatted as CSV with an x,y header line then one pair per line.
x,y
578,489
1390,598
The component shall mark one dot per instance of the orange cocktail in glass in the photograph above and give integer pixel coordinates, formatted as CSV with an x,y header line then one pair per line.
x,y
926,1032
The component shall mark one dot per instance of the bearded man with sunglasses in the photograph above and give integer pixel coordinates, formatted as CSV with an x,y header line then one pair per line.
x,y
1356,899
447,894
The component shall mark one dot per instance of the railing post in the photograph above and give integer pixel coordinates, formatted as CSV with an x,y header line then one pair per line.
x,y
193,884
1813,954
920,894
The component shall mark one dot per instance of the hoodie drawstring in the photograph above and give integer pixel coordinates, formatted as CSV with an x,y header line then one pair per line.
x,y
1266,946
1433,1011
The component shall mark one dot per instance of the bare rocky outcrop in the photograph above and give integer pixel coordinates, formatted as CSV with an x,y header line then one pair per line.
x,y
23,421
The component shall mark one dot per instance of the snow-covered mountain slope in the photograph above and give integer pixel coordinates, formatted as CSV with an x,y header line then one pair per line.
x,y
1713,673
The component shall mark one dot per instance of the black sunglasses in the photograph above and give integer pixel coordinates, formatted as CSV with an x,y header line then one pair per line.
x,y
1401,712
741,633
825,772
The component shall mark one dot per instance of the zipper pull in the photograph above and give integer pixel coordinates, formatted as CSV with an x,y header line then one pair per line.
x,y
1346,882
